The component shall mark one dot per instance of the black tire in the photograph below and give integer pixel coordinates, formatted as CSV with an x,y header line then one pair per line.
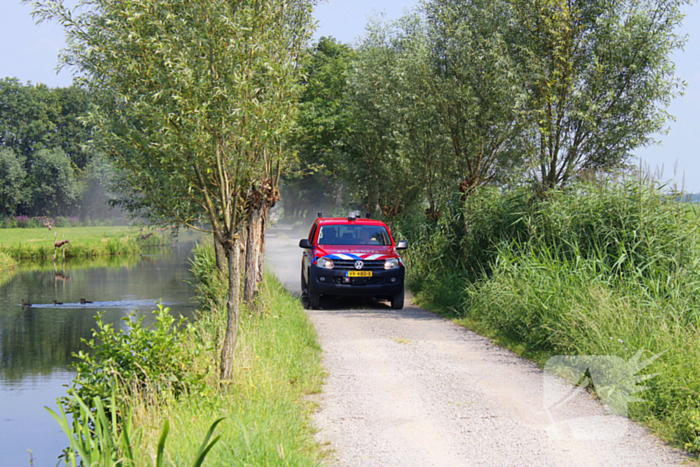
x,y
397,301
314,300
304,285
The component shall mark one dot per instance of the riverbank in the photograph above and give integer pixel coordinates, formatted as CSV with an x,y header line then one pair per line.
x,y
7,263
84,242
595,270
38,342
8,266
267,418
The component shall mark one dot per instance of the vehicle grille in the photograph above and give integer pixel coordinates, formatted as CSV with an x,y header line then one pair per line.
x,y
349,265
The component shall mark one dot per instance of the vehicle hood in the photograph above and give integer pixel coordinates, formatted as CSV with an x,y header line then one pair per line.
x,y
363,252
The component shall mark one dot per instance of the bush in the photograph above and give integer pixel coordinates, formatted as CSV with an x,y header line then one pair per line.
x,y
140,362
72,221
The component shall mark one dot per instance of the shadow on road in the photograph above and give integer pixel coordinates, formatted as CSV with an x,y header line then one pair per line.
x,y
349,303
363,307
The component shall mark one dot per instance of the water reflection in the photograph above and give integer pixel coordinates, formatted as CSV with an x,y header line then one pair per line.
x,y
37,342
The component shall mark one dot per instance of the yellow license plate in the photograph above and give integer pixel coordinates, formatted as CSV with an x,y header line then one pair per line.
x,y
359,273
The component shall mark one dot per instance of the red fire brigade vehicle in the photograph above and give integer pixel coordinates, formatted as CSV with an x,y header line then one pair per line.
x,y
352,256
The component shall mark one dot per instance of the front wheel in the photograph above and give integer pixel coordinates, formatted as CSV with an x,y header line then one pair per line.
x,y
397,301
304,285
314,300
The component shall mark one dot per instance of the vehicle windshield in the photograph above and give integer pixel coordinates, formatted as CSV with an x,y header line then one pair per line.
x,y
353,235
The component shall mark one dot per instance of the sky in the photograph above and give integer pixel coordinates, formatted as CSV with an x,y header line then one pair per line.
x,y
29,53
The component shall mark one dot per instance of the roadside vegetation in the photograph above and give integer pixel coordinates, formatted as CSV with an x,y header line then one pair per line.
x,y
85,242
492,136
594,269
143,379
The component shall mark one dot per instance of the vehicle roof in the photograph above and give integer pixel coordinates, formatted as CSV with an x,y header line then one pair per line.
x,y
345,221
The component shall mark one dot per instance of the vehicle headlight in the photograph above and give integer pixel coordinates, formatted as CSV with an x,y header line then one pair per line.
x,y
325,263
391,263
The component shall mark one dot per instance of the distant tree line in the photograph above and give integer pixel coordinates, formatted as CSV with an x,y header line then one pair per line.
x,y
46,167
459,94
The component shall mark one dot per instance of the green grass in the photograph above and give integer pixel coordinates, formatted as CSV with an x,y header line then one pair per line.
x,y
8,268
595,270
277,365
7,263
32,244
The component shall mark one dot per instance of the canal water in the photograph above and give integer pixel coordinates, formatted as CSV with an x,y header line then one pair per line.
x,y
37,342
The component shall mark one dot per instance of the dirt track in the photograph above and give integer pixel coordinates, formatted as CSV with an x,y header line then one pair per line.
x,y
410,388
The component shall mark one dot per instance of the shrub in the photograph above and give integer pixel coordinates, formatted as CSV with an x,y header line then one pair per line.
x,y
138,362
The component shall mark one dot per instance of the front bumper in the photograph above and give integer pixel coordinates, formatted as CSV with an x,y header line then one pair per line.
x,y
335,282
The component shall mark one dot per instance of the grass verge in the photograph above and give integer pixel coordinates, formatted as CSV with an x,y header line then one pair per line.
x,y
268,421
85,242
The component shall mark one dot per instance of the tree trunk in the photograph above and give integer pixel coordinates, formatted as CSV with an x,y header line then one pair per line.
x,y
242,244
220,256
261,245
252,252
232,305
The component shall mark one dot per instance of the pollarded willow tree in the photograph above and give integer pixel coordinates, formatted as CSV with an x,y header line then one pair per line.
x,y
193,98
598,76
378,172
475,88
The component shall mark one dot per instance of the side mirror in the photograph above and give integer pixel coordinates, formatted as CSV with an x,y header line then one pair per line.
x,y
304,243
402,245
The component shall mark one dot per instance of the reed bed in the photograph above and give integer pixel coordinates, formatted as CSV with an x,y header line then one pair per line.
x,y
598,269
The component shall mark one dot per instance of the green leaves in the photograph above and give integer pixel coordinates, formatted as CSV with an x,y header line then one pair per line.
x,y
100,440
138,362
190,95
12,175
599,77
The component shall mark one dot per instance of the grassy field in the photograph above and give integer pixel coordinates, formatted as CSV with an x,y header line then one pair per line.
x,y
596,270
85,242
267,416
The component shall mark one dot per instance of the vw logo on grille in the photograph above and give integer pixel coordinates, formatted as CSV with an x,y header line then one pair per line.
x,y
359,264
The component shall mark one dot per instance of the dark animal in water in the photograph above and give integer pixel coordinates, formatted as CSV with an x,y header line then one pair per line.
x,y
61,243
57,303
26,303
145,236
83,301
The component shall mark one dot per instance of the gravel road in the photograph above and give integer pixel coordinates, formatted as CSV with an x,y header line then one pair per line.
x,y
410,388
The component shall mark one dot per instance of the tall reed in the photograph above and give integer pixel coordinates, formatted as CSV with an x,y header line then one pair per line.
x,y
597,269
